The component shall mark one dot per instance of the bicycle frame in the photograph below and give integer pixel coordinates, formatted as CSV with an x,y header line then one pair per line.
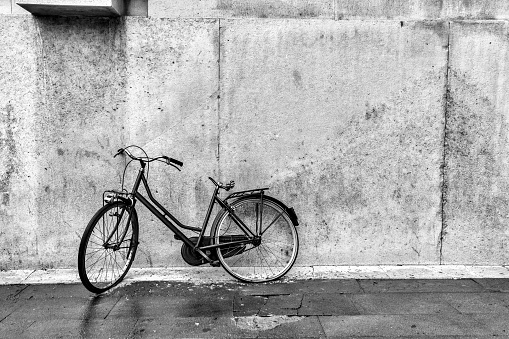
x,y
173,223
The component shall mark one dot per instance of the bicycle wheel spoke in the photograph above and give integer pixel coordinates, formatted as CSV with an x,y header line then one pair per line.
x,y
100,239
272,223
274,255
94,243
90,253
98,260
264,259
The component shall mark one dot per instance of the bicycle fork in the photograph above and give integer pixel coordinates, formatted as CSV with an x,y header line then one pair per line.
x,y
116,247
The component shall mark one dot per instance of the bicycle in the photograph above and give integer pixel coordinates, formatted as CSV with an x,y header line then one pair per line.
x,y
253,236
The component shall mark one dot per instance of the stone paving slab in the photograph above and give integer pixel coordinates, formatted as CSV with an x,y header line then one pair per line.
x,y
207,327
265,306
327,304
301,286
433,325
52,291
497,323
248,305
498,285
402,303
48,309
478,303
420,285
10,291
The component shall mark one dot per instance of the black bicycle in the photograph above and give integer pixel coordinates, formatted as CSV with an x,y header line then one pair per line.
x,y
253,237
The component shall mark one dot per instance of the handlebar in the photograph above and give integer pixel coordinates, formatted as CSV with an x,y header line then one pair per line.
x,y
167,160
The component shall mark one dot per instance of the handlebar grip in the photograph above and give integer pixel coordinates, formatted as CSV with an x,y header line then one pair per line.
x,y
176,162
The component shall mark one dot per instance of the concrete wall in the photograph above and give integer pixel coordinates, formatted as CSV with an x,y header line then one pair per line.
x,y
383,125
476,148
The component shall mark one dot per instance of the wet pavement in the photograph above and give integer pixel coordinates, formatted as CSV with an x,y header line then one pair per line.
x,y
346,308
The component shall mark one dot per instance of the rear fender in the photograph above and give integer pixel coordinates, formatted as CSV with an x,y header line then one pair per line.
x,y
289,210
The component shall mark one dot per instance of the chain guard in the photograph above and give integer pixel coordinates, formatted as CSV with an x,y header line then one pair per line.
x,y
193,258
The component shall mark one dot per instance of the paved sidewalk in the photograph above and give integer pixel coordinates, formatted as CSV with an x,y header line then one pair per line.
x,y
339,308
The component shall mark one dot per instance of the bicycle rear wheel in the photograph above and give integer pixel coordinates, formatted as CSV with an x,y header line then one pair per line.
x,y
267,258
108,247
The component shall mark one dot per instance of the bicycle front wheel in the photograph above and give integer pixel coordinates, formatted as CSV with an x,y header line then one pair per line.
x,y
268,256
108,247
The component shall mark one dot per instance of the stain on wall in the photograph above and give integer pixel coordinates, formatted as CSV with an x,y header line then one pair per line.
x,y
272,8
309,9
475,213
7,147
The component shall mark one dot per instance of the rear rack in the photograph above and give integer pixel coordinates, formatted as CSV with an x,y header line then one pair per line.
x,y
248,192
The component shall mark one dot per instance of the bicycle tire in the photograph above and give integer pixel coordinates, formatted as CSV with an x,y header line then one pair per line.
x,y
277,251
94,252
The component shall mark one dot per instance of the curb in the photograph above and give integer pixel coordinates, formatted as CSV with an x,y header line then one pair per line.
x,y
214,274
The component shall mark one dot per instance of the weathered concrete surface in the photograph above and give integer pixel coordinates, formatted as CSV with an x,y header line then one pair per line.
x,y
421,9
75,90
245,8
171,97
80,91
344,121
389,9
5,7
18,150
310,309
136,7
476,9
338,9
72,7
17,10
476,208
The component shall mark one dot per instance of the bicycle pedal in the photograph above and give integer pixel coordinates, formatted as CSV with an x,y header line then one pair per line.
x,y
215,263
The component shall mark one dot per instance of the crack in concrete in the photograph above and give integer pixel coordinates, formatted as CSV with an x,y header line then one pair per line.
x,y
321,325
111,309
14,298
218,97
300,304
28,276
443,167
20,291
26,328
6,316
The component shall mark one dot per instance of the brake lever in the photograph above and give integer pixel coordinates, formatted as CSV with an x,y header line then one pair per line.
x,y
229,185
119,152
172,165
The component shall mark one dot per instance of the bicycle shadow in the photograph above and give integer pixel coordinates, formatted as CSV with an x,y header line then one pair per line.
x,y
104,315
90,314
